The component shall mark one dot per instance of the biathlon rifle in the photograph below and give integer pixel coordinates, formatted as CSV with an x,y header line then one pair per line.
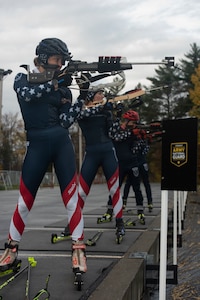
x,y
111,64
129,95
153,130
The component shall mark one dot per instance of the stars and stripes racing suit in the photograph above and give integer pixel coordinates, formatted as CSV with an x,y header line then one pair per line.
x,y
99,152
127,145
44,112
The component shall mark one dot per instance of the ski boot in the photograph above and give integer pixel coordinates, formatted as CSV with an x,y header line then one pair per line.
x,y
107,217
65,235
8,260
124,203
78,262
150,207
141,218
120,230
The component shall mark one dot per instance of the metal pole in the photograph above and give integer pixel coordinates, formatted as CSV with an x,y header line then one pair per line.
x,y
1,94
163,245
2,74
175,230
179,214
80,147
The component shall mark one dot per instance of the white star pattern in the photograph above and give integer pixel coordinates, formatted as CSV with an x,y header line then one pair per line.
x,y
32,91
48,90
71,119
77,109
39,95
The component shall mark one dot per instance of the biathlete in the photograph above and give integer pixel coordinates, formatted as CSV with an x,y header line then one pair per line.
x,y
127,145
143,171
99,151
46,108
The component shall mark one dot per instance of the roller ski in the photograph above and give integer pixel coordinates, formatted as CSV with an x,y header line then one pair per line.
x,y
131,223
31,263
13,269
78,263
120,230
107,217
141,218
150,207
8,261
65,235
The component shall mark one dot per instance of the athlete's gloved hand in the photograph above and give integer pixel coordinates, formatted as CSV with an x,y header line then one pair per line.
x,y
119,108
108,105
64,79
84,84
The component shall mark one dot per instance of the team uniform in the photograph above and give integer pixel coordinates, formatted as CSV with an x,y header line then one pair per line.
x,y
144,176
45,112
126,145
99,151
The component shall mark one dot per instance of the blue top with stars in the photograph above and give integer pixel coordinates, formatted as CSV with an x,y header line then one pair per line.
x,y
43,107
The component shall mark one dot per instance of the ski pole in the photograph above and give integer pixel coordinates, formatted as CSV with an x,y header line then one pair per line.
x,y
94,239
31,263
43,291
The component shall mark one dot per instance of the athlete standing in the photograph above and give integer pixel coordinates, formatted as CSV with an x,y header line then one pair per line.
x,y
99,151
127,145
44,107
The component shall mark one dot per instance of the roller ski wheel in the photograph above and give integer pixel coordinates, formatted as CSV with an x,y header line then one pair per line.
x,y
13,269
150,207
141,219
78,280
55,238
120,230
78,262
106,218
119,238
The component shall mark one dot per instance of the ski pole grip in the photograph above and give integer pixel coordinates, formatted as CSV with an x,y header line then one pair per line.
x,y
32,261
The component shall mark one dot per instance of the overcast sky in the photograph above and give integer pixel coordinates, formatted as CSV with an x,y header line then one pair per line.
x,y
141,31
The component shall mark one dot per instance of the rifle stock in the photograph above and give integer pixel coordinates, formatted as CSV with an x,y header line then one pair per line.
x,y
128,96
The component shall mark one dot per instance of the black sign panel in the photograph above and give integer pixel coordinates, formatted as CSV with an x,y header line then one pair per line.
x,y
179,155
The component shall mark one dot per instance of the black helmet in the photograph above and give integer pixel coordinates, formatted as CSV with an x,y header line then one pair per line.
x,y
52,46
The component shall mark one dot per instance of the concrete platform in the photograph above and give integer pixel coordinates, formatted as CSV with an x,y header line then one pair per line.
x,y
112,268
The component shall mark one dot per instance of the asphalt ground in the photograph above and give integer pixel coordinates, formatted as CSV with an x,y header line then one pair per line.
x,y
48,217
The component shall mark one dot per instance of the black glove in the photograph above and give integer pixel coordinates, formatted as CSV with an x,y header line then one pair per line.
x,y
108,105
63,79
119,109
65,93
84,84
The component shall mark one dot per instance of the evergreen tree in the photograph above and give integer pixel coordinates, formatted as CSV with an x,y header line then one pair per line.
x,y
195,93
187,69
163,98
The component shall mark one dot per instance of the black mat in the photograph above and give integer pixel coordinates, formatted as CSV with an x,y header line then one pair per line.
x,y
133,211
91,222
40,240
129,210
61,280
